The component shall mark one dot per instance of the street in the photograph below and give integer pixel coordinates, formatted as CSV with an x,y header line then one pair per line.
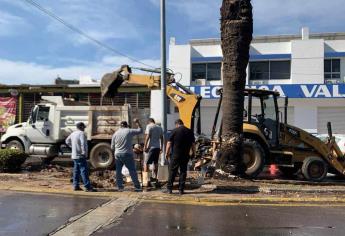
x,y
173,219
39,214
42,214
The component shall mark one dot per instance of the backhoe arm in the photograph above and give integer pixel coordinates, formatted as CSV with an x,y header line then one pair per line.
x,y
185,100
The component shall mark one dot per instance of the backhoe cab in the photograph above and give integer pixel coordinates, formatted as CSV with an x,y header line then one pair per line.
x,y
268,140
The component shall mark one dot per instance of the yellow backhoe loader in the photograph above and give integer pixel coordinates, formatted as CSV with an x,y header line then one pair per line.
x,y
268,140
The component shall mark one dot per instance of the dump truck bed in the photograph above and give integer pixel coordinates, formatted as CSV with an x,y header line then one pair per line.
x,y
101,121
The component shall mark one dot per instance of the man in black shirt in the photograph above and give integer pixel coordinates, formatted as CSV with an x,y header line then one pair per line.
x,y
181,141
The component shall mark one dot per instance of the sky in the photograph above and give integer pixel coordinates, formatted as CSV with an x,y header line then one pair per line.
x,y
36,49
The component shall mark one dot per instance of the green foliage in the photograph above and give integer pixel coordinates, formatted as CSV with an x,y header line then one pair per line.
x,y
11,160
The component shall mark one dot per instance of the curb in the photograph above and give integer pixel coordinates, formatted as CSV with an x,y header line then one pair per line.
x,y
194,199
64,192
248,201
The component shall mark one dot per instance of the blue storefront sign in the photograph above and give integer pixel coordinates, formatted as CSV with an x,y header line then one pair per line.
x,y
290,90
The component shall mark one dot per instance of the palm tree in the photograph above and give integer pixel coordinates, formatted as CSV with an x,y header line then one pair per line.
x,y
236,36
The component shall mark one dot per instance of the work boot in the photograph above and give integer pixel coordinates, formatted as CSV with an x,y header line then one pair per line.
x,y
138,190
181,192
77,189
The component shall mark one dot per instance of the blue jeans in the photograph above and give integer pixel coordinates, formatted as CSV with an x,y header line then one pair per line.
x,y
127,160
80,168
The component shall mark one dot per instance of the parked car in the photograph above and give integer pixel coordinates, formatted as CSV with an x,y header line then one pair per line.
x,y
339,138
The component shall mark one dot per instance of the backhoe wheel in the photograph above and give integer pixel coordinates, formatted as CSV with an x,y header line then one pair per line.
x,y
253,157
314,169
16,145
101,156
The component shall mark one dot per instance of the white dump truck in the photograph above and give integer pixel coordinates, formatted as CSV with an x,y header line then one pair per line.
x,y
52,120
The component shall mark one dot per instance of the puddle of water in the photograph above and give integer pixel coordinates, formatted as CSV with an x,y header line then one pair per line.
x,y
180,228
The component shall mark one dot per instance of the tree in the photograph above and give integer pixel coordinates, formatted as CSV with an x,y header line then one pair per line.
x,y
236,36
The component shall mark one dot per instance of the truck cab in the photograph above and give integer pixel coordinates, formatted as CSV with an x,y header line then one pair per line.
x,y
36,136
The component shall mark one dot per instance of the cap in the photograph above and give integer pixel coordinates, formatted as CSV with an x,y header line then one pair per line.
x,y
124,124
81,125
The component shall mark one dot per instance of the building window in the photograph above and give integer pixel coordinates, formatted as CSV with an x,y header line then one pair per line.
x,y
332,69
207,71
198,71
259,70
280,70
214,71
270,70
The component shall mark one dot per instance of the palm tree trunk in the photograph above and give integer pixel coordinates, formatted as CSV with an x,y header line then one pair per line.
x,y
236,36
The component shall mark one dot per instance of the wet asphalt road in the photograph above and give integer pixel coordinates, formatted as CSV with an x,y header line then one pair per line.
x,y
33,214
171,219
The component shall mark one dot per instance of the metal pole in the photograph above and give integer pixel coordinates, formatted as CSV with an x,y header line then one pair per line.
x,y
163,72
21,108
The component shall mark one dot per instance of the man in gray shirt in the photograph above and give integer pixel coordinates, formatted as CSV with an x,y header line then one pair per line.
x,y
78,142
121,144
153,145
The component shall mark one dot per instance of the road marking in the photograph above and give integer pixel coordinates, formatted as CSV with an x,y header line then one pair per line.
x,y
93,220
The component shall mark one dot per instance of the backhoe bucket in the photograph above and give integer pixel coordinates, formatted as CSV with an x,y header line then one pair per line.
x,y
110,83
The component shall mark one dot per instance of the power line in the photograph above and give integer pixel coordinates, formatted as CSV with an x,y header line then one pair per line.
x,y
75,29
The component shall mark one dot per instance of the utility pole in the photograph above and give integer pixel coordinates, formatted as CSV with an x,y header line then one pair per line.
x,y
163,72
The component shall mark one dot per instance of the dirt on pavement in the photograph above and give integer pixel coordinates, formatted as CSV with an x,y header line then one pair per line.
x,y
59,176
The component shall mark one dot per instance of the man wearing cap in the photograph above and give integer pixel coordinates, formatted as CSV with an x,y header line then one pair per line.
x,y
78,142
121,144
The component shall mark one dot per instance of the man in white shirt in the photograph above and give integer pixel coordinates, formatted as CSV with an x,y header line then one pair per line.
x,y
121,144
78,142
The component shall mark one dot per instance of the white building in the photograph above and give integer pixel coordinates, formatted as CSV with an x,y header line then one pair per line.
x,y
308,68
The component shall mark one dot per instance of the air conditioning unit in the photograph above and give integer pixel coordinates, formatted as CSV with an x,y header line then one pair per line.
x,y
258,82
201,82
332,81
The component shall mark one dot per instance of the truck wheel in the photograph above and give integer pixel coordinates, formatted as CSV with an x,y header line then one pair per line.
x,y
253,157
314,168
16,145
101,156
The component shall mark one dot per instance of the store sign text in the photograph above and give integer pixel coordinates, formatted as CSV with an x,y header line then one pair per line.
x,y
290,90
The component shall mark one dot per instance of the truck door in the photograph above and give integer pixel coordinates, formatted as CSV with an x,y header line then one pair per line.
x,y
39,128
